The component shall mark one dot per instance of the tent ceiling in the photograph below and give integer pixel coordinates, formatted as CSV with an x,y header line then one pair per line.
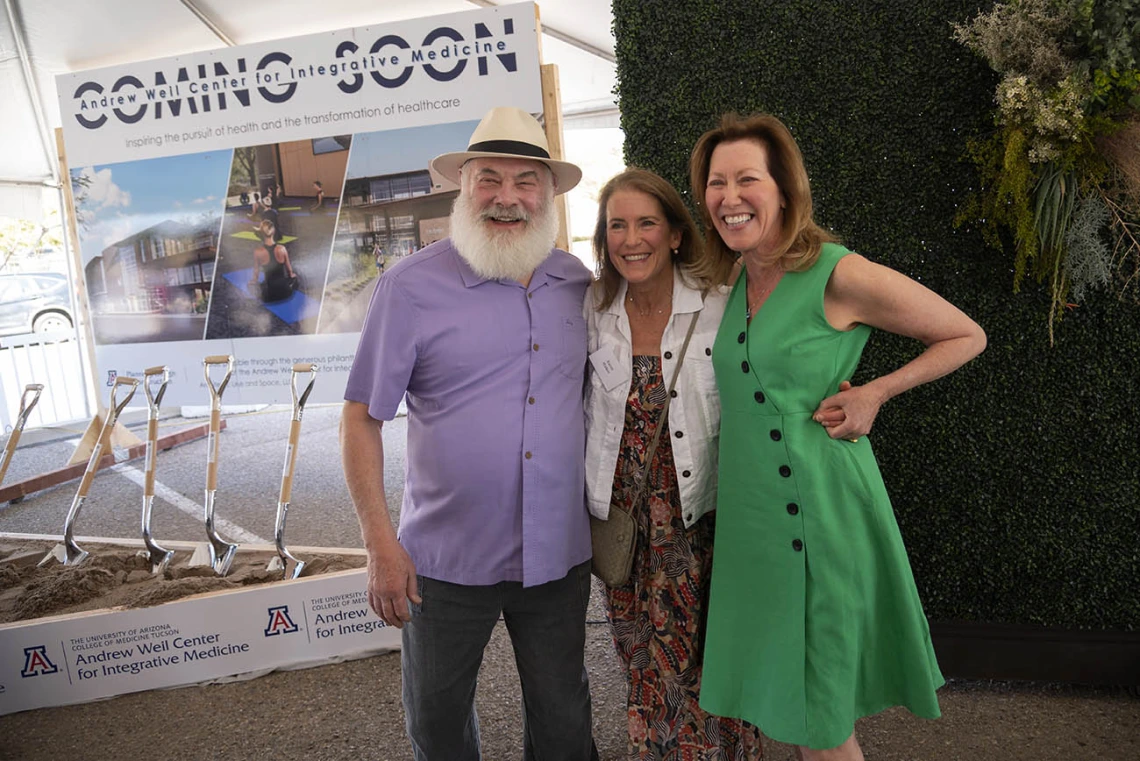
x,y
71,35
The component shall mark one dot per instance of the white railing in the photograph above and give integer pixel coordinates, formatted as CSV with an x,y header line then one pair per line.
x,y
53,359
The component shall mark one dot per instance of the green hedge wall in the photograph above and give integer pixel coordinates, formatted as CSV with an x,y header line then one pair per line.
x,y
1015,480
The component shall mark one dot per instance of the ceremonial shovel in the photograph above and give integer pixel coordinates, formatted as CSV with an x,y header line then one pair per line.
x,y
285,562
159,556
70,553
221,551
14,438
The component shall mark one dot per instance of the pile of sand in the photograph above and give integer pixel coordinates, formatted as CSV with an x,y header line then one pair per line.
x,y
117,577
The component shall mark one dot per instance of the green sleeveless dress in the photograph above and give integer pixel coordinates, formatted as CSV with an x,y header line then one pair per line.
x,y
814,619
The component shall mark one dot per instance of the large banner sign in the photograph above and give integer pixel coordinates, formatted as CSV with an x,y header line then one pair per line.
x,y
245,201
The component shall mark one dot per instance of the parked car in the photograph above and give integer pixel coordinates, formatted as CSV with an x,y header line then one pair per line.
x,y
34,303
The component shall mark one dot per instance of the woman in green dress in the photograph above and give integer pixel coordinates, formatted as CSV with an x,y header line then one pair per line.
x,y
814,619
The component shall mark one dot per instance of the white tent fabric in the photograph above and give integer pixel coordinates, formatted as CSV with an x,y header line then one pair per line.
x,y
40,39
22,202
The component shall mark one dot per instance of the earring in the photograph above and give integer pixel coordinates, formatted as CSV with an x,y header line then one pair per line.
x,y
676,252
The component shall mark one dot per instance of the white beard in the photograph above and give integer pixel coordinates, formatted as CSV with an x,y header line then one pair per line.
x,y
505,255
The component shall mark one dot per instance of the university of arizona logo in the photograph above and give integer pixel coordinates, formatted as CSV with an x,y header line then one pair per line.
x,y
36,662
279,622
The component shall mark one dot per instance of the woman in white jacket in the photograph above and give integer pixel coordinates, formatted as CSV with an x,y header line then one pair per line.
x,y
654,279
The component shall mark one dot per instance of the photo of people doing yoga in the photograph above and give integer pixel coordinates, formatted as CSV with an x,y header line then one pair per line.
x,y
273,254
272,274
149,245
393,206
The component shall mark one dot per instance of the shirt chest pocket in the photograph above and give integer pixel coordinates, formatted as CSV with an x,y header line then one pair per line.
x,y
572,346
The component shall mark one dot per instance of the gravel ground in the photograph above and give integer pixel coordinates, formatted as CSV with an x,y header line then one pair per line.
x,y
352,710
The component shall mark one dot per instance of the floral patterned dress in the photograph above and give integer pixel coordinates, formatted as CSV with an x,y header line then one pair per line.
x,y
658,614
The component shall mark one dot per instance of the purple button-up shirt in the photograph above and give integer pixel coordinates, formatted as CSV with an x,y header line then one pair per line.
x,y
493,374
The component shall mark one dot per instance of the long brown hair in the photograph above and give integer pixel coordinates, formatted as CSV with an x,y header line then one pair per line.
x,y
801,237
690,252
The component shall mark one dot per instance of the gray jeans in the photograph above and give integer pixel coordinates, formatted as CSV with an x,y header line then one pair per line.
x,y
443,648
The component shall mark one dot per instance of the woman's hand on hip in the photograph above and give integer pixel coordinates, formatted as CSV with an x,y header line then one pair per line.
x,y
850,413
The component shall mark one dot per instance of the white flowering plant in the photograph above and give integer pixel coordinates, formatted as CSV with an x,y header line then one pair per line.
x,y
1061,171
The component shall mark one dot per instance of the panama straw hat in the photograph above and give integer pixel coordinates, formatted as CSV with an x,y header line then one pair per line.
x,y
509,133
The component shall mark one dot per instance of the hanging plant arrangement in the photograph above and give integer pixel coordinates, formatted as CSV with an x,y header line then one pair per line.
x,y
1061,172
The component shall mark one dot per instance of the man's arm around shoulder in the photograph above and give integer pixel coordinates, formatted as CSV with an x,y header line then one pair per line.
x,y
391,572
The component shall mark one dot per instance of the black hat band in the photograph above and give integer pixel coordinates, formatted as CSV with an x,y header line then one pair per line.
x,y
515,147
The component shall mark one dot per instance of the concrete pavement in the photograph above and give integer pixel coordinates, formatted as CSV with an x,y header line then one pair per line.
x,y
352,710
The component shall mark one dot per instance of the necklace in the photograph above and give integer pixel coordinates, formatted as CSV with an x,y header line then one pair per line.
x,y
647,310
758,299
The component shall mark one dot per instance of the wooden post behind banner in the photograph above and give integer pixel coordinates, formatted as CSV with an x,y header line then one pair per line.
x,y
552,110
118,436
552,123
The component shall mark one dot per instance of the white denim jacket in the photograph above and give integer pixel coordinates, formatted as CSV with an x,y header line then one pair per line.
x,y
694,412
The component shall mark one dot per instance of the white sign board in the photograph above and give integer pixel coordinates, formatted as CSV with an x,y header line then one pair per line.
x,y
74,659
177,165
405,74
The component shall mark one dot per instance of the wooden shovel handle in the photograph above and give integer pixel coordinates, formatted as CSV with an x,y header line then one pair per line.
x,y
212,454
92,468
151,455
290,461
9,449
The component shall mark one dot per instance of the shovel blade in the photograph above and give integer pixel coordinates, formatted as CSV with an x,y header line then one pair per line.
x,y
289,566
65,553
222,557
159,559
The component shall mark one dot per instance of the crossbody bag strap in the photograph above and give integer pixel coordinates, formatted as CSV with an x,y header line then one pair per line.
x,y
665,409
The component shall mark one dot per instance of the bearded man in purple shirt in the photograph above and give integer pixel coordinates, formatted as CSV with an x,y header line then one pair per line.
x,y
483,335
